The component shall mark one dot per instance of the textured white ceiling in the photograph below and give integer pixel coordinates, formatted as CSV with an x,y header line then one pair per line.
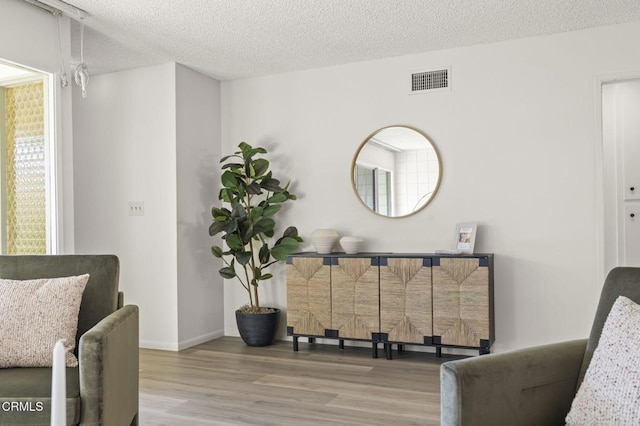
x,y
229,39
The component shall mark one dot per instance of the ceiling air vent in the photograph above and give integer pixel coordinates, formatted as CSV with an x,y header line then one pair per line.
x,y
430,81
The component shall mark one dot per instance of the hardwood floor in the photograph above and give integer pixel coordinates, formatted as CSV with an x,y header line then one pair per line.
x,y
224,382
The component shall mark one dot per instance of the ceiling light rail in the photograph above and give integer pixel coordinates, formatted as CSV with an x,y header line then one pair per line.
x,y
58,7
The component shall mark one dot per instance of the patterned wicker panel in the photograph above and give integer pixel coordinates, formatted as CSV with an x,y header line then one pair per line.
x,y
308,296
405,300
461,301
355,298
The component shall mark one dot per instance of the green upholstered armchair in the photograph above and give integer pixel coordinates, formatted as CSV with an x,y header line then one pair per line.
x,y
103,389
533,386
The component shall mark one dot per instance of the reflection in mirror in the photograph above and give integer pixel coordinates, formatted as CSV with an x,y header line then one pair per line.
x,y
396,171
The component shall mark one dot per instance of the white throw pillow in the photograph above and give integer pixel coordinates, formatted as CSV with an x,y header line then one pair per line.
x,y
34,315
610,392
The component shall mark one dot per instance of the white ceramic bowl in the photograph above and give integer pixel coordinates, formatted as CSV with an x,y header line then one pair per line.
x,y
351,245
324,240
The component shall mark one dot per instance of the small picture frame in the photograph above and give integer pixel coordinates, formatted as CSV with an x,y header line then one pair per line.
x,y
466,237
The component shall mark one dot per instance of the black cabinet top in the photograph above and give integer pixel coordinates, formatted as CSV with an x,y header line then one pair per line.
x,y
387,254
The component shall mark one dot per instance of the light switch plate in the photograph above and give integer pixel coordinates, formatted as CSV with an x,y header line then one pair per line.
x,y
136,208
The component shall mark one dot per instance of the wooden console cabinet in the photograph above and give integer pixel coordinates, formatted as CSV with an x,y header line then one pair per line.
x,y
401,299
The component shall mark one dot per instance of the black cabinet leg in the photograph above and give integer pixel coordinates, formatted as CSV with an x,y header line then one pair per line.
x,y
312,340
374,350
438,352
295,343
341,344
388,348
400,348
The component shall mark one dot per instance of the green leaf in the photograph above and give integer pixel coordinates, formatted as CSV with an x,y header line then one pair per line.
x,y
240,194
229,180
264,225
216,251
260,167
247,232
227,272
217,227
217,212
238,211
266,277
272,185
226,195
231,166
254,188
265,254
244,147
277,198
232,226
256,213
291,231
223,159
272,209
234,242
253,151
243,257
285,247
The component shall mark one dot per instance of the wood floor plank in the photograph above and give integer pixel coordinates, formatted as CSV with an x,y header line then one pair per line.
x,y
225,382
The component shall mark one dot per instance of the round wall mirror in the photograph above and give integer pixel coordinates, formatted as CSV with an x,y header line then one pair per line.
x,y
396,171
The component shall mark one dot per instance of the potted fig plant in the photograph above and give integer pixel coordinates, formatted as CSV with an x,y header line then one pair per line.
x,y
247,226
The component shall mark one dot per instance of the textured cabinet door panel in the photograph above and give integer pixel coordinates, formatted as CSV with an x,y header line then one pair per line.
x,y
308,296
355,300
405,299
461,301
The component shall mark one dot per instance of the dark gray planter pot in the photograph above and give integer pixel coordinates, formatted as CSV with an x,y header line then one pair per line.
x,y
258,329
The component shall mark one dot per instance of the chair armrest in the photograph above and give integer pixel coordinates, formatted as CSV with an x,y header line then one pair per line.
x,y
108,358
533,386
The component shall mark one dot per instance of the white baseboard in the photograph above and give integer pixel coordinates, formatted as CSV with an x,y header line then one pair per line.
x,y
200,339
162,346
175,347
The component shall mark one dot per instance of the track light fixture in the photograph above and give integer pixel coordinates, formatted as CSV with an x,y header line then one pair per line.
x,y
58,6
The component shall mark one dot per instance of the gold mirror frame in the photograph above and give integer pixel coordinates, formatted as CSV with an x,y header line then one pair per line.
x,y
423,201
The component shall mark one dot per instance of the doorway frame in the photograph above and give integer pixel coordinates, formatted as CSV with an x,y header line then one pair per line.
x,y
603,230
52,134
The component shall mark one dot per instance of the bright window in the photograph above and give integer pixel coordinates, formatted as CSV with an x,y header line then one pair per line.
x,y
25,152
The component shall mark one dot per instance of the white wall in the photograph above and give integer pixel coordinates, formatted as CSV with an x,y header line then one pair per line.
x,y
153,135
29,37
519,152
125,132
200,290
